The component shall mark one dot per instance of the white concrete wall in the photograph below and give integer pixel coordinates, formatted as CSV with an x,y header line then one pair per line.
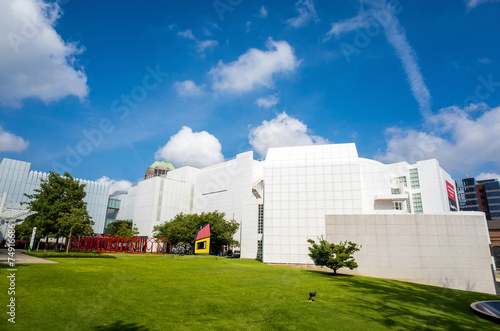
x,y
227,187
444,250
156,200
302,185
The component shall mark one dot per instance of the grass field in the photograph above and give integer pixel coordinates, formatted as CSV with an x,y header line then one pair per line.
x,y
137,292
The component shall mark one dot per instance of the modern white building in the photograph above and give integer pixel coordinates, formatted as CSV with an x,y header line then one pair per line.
x,y
404,215
304,184
16,179
234,187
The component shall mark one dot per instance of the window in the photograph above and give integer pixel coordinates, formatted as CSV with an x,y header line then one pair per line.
x,y
201,245
259,249
260,226
414,181
417,203
402,180
397,205
395,191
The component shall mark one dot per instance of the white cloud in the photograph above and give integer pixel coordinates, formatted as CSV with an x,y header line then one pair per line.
x,y
34,60
197,149
268,102
384,14
188,34
488,175
462,139
471,4
248,25
255,68
347,25
188,88
115,185
282,131
203,45
200,45
262,12
306,11
11,143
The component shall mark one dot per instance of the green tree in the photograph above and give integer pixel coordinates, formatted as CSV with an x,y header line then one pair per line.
x,y
333,256
75,223
121,228
183,227
57,196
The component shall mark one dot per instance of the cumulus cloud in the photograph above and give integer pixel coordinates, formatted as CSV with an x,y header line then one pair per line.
x,y
255,68
34,60
268,102
115,185
471,4
488,175
384,15
197,149
11,143
282,131
200,45
462,139
306,13
188,88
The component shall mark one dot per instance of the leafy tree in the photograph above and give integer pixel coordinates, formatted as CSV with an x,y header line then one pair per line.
x,y
57,196
333,256
183,227
121,228
75,223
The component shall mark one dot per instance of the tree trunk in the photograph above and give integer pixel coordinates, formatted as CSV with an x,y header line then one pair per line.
x,y
69,241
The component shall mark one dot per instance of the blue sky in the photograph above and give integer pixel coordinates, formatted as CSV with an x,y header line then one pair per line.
x,y
104,88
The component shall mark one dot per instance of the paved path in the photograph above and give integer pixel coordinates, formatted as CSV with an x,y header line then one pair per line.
x,y
21,258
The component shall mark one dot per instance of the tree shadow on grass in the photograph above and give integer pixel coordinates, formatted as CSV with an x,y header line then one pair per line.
x,y
411,306
121,326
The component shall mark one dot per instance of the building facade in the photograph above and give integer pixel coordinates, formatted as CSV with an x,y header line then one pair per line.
x,y
16,179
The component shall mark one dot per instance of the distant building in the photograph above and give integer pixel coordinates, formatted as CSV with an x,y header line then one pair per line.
x,y
158,168
483,196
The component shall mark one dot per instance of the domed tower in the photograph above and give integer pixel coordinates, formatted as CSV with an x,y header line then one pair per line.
x,y
158,168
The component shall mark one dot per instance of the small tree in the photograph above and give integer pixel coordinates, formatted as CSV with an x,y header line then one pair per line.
x,y
333,256
75,223
127,230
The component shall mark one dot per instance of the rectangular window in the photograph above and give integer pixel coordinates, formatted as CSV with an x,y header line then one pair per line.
x,y
402,180
414,181
417,203
395,191
201,245
260,226
259,249
397,205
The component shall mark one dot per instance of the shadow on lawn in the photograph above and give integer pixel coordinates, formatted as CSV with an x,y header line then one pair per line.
x,y
412,306
121,326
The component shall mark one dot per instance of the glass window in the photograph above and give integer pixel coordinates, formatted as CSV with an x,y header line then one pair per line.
x,y
260,226
259,249
201,245
414,180
417,203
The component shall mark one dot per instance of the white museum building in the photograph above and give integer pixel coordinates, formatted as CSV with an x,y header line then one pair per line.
x,y
404,215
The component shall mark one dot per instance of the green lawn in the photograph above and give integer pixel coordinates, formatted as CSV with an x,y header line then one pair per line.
x,y
138,292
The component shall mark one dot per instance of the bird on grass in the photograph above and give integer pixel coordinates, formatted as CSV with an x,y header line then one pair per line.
x,y
311,295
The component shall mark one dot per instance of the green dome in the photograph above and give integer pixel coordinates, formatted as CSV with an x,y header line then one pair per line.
x,y
162,164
